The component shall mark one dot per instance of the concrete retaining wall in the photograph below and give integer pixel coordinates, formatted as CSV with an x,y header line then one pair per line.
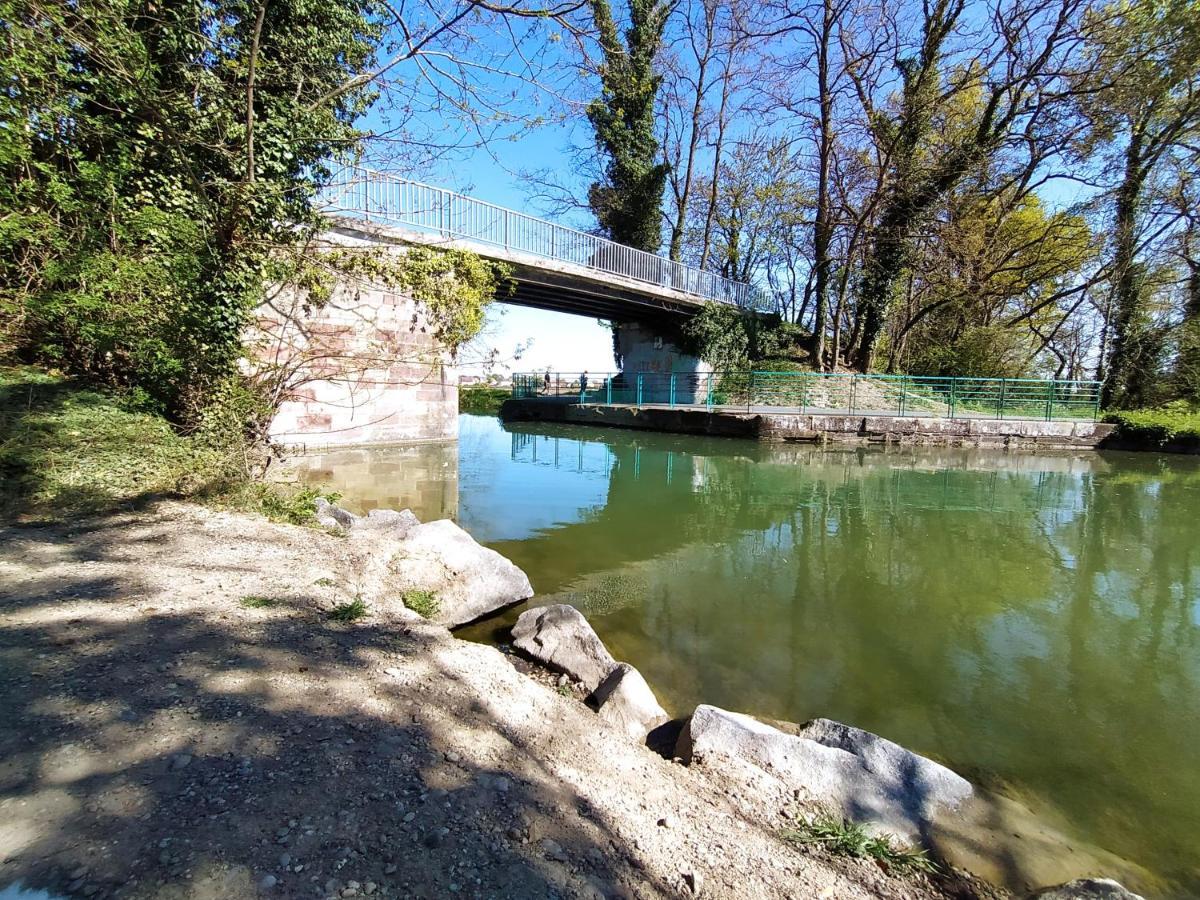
x,y
1022,434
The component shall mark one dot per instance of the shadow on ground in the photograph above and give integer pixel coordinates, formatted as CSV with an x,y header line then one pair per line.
x,y
156,748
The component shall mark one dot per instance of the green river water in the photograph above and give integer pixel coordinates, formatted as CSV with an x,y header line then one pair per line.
x,y
1033,621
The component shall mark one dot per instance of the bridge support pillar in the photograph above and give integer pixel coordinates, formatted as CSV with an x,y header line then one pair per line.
x,y
655,355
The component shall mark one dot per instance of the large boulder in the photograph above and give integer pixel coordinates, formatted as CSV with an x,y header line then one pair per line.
x,y
849,772
625,702
466,579
561,638
1087,889
902,772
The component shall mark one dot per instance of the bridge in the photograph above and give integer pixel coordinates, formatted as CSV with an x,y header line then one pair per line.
x,y
554,267
364,364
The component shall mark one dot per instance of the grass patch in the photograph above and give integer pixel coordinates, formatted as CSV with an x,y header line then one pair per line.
x,y
351,611
278,502
1175,424
324,582
482,399
423,603
252,602
848,839
68,450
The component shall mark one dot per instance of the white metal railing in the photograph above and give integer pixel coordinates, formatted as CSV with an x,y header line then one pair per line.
x,y
387,198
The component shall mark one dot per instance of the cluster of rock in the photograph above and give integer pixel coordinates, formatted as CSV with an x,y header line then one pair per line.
x,y
561,638
848,772
402,555
845,771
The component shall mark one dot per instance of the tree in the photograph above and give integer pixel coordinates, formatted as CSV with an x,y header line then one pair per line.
x,y
158,164
628,202
152,161
1141,95
1016,82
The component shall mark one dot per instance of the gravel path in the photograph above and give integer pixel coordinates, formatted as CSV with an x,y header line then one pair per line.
x,y
162,738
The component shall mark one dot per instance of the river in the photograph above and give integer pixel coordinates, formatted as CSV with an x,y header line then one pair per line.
x,y
1032,621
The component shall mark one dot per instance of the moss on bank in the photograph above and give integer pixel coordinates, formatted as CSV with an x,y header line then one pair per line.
x,y
481,399
1174,427
68,450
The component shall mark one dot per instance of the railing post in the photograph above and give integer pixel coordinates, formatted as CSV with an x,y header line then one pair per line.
x,y
953,395
608,390
750,391
506,229
1003,397
853,386
639,389
708,400
903,387
672,400
1050,400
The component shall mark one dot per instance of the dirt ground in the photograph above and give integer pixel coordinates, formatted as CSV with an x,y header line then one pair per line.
x,y
161,738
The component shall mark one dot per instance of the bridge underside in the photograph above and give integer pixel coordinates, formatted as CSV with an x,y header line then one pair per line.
x,y
568,293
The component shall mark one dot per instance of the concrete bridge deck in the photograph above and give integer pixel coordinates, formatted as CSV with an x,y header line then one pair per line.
x,y
554,267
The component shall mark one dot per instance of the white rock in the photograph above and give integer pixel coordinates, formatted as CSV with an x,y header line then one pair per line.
x,y
467,579
1087,889
889,788
561,637
626,703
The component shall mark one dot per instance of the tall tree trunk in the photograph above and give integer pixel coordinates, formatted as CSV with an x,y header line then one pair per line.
x,y
823,226
1125,383
685,192
718,149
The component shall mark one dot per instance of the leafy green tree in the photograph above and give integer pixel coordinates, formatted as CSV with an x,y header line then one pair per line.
x,y
922,161
1140,92
157,166
628,202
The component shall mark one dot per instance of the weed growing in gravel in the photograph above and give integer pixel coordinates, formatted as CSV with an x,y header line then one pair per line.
x,y
349,612
423,603
849,839
324,582
252,602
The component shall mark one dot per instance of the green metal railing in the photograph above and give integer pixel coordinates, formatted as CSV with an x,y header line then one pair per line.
x,y
913,396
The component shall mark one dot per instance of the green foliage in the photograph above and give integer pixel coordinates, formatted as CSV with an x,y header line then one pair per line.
x,y
455,287
481,399
253,602
729,339
985,351
141,206
423,603
848,839
628,204
351,611
1177,423
296,507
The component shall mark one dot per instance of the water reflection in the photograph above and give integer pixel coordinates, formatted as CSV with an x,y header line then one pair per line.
x,y
1033,619
422,477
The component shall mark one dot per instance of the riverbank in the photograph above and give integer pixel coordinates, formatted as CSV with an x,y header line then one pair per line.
x,y
769,425
193,723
